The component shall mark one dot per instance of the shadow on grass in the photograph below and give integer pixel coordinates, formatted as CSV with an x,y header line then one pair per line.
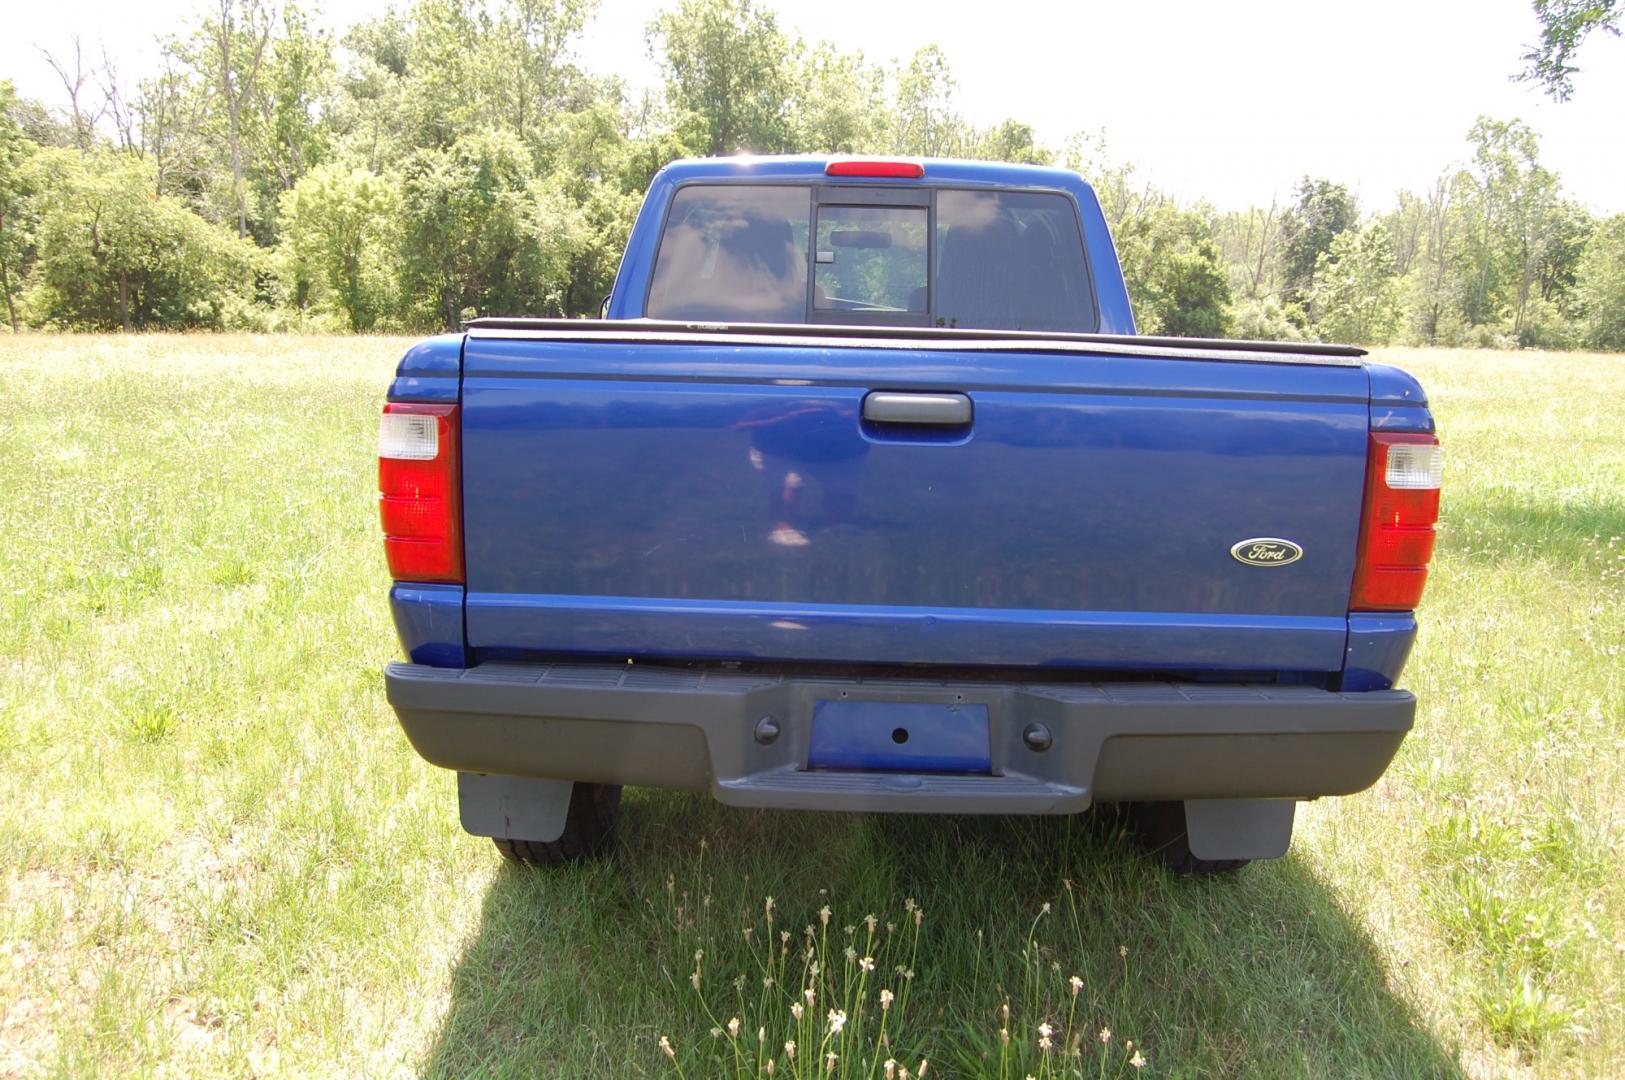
x,y
578,972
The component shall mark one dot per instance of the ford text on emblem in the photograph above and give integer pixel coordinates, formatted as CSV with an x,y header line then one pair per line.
x,y
1267,551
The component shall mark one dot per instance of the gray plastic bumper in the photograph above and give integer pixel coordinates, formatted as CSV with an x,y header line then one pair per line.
x,y
674,728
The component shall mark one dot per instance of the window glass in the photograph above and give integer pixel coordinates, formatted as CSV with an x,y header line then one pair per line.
x,y
1011,261
870,258
733,253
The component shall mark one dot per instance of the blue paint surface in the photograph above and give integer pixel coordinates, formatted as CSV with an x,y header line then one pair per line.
x,y
1088,488
655,627
893,736
431,370
715,501
1379,645
429,622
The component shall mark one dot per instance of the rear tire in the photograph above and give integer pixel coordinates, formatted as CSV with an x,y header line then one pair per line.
x,y
589,827
1160,826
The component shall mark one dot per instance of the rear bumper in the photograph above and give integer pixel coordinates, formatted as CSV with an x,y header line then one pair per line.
x,y
673,728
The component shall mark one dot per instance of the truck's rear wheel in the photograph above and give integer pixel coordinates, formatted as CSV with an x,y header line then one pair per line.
x,y
1160,826
588,828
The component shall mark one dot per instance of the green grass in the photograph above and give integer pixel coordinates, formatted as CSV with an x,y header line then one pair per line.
x,y
218,855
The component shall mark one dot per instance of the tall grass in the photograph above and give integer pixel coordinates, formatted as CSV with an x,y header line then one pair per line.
x,y
218,856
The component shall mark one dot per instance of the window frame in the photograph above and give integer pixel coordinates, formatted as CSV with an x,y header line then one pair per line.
x,y
869,193
843,195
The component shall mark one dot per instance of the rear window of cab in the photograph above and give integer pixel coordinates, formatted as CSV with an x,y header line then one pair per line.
x,y
972,259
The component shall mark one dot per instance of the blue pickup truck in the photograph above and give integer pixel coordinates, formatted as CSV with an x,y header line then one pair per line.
x,y
864,495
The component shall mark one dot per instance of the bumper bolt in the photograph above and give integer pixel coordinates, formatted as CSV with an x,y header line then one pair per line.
x,y
767,731
1037,738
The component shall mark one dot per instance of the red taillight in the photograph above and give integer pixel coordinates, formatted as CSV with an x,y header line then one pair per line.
x,y
1396,524
419,481
908,170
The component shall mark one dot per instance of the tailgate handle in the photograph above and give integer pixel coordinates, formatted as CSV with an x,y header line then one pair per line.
x,y
887,407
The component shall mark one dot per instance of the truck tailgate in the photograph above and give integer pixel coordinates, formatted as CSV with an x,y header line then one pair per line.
x,y
726,498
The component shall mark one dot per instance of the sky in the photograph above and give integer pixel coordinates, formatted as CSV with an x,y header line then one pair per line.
x,y
1231,102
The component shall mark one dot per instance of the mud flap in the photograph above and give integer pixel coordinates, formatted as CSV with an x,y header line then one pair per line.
x,y
513,807
1239,828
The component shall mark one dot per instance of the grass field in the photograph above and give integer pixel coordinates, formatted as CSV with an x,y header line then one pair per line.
x,y
218,855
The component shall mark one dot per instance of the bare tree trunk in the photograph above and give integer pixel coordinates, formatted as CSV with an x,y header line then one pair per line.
x,y
1263,249
124,300
236,94
5,287
84,123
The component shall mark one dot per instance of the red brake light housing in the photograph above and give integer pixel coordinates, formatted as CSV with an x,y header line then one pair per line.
x,y
420,482
1397,521
907,170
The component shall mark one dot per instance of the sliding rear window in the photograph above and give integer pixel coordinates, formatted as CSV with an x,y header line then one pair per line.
x,y
997,260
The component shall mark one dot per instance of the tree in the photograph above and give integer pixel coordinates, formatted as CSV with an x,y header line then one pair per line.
x,y
1173,272
1323,209
290,99
481,234
338,227
1600,286
1249,244
171,111
14,190
1010,140
83,115
1564,25
726,61
1355,298
525,54
112,255
924,120
838,104
1432,286
1515,214
233,51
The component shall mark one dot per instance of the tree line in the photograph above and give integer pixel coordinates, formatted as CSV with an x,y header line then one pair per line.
x,y
451,159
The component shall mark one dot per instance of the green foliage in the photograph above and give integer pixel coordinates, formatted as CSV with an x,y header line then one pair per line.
x,y
481,235
925,121
1322,211
1174,276
111,255
1355,298
1010,141
467,165
1264,320
726,62
839,103
339,242
1600,286
1564,25
15,149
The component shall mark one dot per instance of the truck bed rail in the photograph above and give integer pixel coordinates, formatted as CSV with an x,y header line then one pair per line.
x,y
640,331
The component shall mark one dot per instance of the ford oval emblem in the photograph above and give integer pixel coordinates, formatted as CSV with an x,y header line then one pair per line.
x,y
1266,551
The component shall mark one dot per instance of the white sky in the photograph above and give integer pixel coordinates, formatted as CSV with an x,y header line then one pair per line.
x,y
1229,100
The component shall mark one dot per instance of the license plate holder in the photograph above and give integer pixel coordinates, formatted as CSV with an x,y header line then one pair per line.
x,y
900,736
